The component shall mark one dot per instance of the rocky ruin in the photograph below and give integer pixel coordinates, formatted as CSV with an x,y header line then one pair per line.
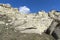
x,y
19,26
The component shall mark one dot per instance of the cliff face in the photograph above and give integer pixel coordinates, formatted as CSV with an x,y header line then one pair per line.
x,y
18,26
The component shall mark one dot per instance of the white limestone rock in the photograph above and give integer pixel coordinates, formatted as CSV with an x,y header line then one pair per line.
x,y
1,22
54,15
37,22
27,23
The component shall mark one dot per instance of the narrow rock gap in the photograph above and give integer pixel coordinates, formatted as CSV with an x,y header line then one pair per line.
x,y
53,34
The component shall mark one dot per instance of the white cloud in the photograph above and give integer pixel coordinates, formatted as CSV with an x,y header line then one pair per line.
x,y
24,9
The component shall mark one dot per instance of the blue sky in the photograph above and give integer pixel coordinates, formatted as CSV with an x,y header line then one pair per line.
x,y
35,5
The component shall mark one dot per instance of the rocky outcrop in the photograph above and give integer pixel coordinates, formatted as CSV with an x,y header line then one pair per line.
x,y
33,23
37,22
55,26
17,26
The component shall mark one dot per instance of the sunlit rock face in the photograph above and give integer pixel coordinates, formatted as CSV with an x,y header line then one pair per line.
x,y
7,10
55,26
17,26
55,15
27,23
33,23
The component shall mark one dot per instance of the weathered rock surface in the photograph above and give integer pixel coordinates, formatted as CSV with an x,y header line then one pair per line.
x,y
55,26
17,26
7,32
55,15
36,22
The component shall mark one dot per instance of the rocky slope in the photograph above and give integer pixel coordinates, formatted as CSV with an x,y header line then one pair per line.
x,y
18,26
